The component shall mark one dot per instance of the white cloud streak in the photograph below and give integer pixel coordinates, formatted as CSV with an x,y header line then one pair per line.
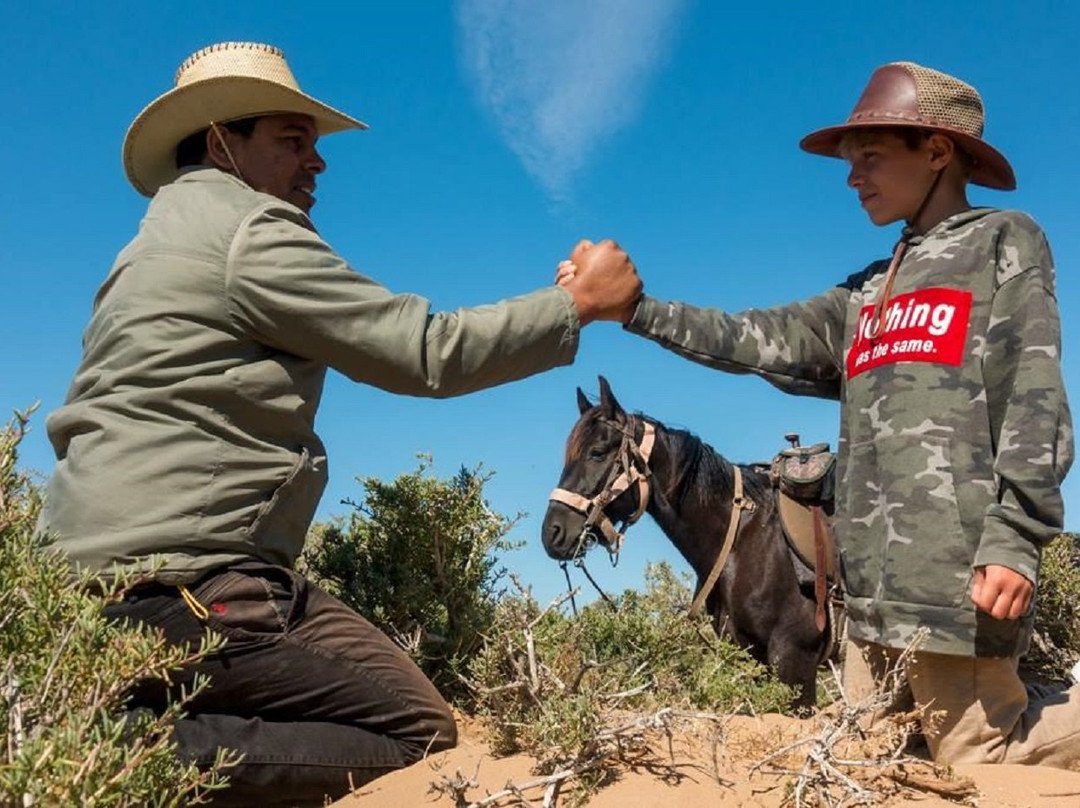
x,y
560,75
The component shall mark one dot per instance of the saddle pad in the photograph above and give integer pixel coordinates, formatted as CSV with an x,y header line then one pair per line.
x,y
798,523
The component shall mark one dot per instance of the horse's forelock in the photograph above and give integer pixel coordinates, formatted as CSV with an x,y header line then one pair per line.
x,y
584,431
575,444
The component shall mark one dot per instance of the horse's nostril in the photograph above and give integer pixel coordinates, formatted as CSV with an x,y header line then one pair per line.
x,y
555,538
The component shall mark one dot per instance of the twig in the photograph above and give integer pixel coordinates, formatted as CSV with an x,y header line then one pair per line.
x,y
834,779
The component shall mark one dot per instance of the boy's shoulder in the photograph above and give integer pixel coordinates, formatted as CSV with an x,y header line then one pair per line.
x,y
1021,245
1012,219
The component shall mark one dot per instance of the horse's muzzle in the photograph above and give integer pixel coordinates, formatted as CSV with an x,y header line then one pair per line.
x,y
561,533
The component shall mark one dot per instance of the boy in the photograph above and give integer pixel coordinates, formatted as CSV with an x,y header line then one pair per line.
x,y
955,431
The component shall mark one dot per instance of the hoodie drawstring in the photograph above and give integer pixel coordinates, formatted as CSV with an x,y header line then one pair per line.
x,y
877,319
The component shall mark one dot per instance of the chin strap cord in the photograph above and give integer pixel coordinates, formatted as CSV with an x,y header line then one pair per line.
x,y
877,320
228,153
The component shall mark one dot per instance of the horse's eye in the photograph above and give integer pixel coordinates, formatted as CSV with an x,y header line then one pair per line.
x,y
596,454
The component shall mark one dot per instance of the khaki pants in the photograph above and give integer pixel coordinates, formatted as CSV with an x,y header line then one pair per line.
x,y
989,716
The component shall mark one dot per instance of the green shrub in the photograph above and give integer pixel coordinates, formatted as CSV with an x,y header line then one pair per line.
x,y
1056,644
64,675
419,557
549,683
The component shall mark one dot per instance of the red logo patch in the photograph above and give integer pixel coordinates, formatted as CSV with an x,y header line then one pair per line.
x,y
929,325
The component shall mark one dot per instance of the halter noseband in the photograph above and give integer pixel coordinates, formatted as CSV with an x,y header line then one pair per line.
x,y
631,467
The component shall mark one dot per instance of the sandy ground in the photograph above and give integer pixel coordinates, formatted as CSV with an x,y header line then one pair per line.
x,y
703,773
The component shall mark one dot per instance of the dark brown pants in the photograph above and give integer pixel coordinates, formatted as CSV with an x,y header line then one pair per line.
x,y
312,694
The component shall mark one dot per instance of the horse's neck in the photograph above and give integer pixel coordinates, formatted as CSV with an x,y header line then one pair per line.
x,y
689,508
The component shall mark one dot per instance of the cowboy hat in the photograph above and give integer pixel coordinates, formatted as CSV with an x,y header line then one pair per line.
x,y
218,84
904,94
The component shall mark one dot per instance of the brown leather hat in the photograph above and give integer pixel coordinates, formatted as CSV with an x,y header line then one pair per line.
x,y
907,94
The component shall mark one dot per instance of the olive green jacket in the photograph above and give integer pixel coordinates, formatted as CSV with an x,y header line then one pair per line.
x,y
186,441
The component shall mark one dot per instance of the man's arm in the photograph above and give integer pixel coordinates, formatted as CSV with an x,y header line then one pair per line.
x,y
289,289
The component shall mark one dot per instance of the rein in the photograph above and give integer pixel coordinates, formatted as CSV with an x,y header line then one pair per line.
x,y
631,467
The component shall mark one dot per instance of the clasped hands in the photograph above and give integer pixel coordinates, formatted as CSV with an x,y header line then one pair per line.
x,y
602,280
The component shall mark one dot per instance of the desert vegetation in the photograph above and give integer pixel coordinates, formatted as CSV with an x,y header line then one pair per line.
x,y
583,691
64,676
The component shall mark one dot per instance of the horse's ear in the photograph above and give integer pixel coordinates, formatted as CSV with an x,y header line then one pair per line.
x,y
583,403
609,406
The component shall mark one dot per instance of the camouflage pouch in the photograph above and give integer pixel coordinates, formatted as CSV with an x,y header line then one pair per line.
x,y
805,473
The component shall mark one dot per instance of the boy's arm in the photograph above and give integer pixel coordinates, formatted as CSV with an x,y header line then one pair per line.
x,y
1030,423
797,347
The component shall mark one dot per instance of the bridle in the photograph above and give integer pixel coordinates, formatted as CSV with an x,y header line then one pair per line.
x,y
631,467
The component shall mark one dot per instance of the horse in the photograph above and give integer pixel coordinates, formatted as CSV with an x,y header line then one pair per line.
x,y
619,465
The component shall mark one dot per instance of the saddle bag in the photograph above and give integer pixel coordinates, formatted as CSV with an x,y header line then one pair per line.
x,y
806,473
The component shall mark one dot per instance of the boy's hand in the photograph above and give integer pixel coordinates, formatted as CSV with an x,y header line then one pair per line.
x,y
1001,592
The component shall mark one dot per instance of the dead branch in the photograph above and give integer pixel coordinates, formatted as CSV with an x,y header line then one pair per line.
x,y
858,755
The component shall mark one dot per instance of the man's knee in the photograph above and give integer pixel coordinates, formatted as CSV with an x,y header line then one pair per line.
x,y
446,734
440,732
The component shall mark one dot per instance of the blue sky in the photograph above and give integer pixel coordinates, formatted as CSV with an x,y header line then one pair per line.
x,y
502,132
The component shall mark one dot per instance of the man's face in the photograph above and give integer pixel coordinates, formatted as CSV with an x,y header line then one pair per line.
x,y
891,178
279,157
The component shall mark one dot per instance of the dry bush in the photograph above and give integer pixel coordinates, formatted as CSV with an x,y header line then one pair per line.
x,y
859,753
585,694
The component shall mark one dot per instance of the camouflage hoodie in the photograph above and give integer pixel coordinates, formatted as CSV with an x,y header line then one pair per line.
x,y
955,431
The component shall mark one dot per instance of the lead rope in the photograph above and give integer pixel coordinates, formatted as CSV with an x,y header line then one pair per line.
x,y
580,564
877,319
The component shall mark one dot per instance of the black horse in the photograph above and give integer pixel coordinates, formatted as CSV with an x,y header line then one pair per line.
x,y
620,465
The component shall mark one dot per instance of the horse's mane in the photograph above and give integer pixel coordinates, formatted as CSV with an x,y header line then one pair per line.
x,y
704,472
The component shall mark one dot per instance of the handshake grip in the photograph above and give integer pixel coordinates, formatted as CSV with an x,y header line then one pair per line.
x,y
602,280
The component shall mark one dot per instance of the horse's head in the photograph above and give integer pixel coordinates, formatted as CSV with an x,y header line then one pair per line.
x,y
604,479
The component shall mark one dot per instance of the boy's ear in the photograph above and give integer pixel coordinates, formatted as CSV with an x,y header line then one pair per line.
x,y
941,149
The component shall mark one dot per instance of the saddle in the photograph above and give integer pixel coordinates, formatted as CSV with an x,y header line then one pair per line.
x,y
803,478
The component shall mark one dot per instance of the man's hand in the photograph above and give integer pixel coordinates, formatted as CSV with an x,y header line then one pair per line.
x,y
602,280
1001,592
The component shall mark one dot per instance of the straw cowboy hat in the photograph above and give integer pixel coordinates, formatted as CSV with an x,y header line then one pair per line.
x,y
221,83
907,94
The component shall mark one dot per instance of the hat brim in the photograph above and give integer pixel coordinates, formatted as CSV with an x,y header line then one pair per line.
x,y
991,169
149,152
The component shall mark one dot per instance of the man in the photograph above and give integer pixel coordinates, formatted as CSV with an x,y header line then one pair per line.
x,y
186,454
955,431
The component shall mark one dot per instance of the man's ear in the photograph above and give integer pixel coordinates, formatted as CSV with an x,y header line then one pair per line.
x,y
216,153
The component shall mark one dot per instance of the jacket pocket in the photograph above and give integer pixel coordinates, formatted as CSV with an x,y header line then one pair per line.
x,y
281,524
903,540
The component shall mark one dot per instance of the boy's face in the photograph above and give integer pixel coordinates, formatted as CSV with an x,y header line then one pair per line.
x,y
890,177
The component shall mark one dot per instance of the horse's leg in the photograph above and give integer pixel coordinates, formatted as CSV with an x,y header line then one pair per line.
x,y
796,665
794,643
